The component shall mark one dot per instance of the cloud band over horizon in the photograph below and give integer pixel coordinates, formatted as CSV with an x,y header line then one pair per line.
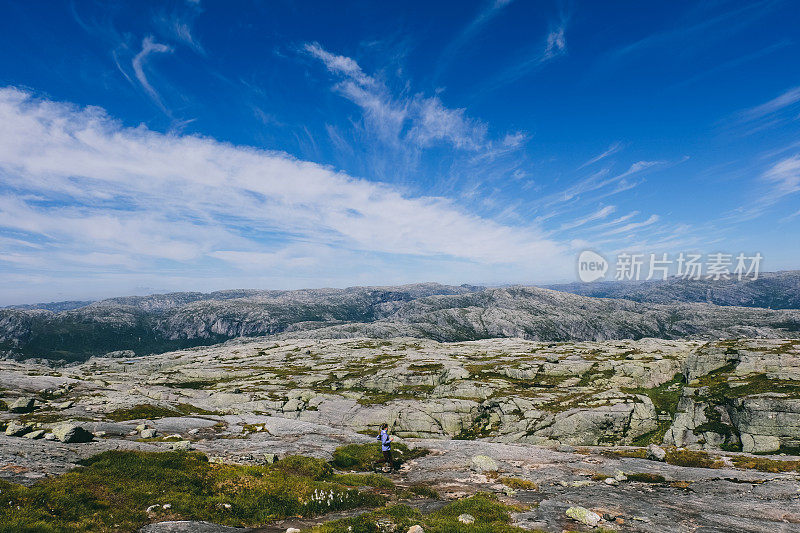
x,y
84,197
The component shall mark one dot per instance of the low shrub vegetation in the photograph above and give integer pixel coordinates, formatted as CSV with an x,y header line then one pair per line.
x,y
765,465
517,483
696,459
150,412
362,457
646,477
113,491
491,516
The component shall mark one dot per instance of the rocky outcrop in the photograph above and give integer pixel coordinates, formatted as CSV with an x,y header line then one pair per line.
x,y
746,396
704,395
767,422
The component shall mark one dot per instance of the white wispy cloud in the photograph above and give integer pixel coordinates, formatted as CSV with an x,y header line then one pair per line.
x,y
613,149
787,99
597,215
417,119
783,178
536,57
139,62
338,64
600,180
779,181
556,43
633,225
77,183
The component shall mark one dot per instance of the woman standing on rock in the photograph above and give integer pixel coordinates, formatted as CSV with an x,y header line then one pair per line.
x,y
386,446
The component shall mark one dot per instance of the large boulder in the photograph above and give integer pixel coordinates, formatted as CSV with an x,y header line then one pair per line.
x,y
17,429
484,463
68,432
584,516
760,443
22,405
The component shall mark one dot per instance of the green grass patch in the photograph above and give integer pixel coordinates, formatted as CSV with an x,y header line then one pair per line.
x,y
362,457
765,465
691,458
364,480
646,477
112,491
150,412
426,367
675,456
518,483
423,491
491,516
194,385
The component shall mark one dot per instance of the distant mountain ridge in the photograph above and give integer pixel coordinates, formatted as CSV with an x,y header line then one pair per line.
x,y
151,324
772,290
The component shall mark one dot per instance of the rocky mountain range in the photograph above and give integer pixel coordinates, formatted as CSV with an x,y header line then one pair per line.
x,y
673,309
773,290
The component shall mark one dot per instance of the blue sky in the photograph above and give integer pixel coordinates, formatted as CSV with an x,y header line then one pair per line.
x,y
197,145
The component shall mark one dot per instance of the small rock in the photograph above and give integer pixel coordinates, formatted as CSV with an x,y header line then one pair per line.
x,y
16,429
36,434
153,508
656,453
416,529
50,436
619,475
270,458
194,431
99,434
611,481
22,405
141,427
584,516
182,445
65,405
167,506
292,530
484,463
466,518
70,433
148,433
